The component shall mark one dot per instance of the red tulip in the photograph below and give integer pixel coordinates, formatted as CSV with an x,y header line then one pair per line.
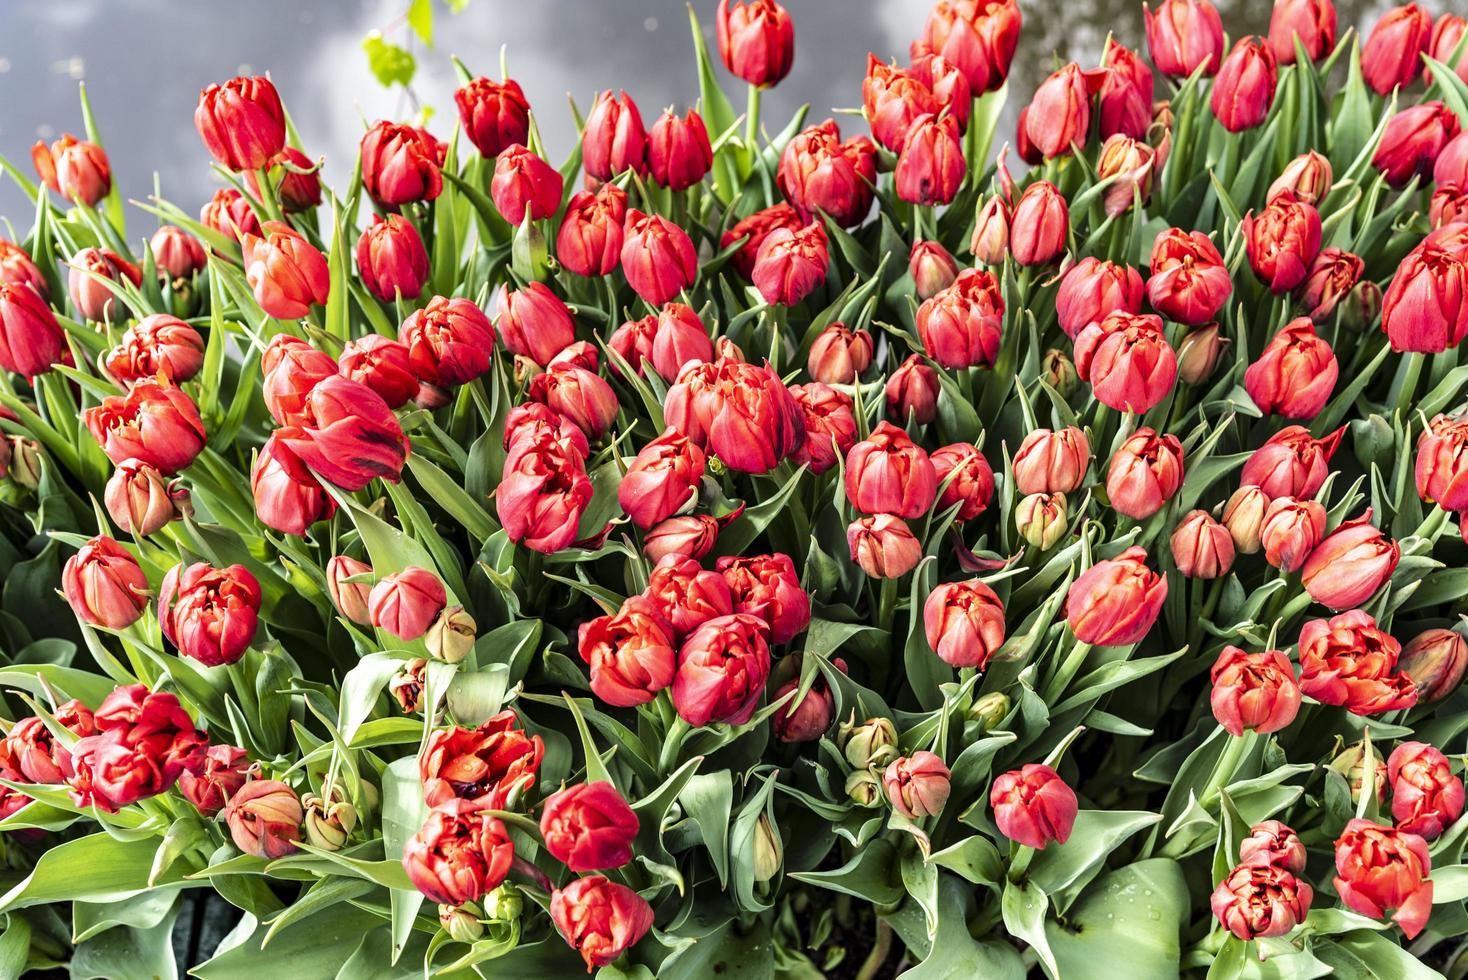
x,y
931,166
830,425
1446,34
579,395
1059,116
589,242
495,115
1124,96
1348,660
1379,869
883,546
820,173
889,474
490,766
990,240
1435,659
791,264
231,214
808,718
658,257
383,365
154,422
1038,228
964,623
589,827
286,272
17,268
1291,531
30,338
145,741
973,485
1291,463
1331,278
350,598
297,191
1392,55
1260,901
631,653
738,412
949,87
1051,462
932,268
1033,806
406,603
450,341
104,584
224,771
1312,21
685,595
1426,797
1127,359
391,258
1412,141
75,169
1272,844
1425,309
460,854
400,164
976,36
722,669
264,819
601,919
1254,691
287,497
1295,374
241,122
754,229
1116,600
662,479
349,435
961,325
92,298
1145,473
613,139
159,344
1189,282
1092,288
917,786
522,184
1201,547
1442,463
543,493
1244,89
892,99
140,499
1349,566
678,150
209,614
292,368
768,588
756,40
1308,177
912,392
1184,35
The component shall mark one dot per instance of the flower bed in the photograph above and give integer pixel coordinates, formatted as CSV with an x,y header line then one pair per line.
x,y
707,572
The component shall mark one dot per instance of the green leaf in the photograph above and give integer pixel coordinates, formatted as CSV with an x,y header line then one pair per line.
x,y
1060,867
390,64
1365,955
403,812
1134,915
869,875
420,19
128,953
314,947
709,799
975,858
99,868
1024,906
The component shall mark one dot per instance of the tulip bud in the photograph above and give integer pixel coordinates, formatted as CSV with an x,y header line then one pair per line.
x,y
1189,282
1425,309
662,479
1198,354
1330,279
392,259
459,854
768,853
839,355
691,536
1052,462
932,268
400,164
524,184
1145,473
990,241
870,745
407,603
90,295
889,474
960,326
30,338
658,257
224,770
599,918
1254,691
973,486
1435,660
864,788
288,498
241,122
1260,901
1348,660
75,169
451,636
1041,519
1041,222
407,685
329,824
892,99
883,546
964,623
931,166
462,922
807,719
1033,806
1115,601
1349,566
1413,140
1447,32
105,585
912,392
1392,55
756,40
678,150
1202,547
917,786
25,462
287,273
1059,372
139,499
350,598
1308,177
1282,242
17,268
1290,464
613,139
990,710
1243,515
1295,374
264,819
1183,35
791,264
504,904
495,115
589,827
1313,22
1291,530
1351,764
979,39
1426,797
589,242
1244,89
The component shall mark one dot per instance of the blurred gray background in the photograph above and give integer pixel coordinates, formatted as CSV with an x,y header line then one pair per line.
x,y
144,62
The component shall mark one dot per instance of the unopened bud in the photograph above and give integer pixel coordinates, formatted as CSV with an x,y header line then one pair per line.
x,y
990,710
1198,354
25,462
726,350
451,636
872,743
329,824
1362,306
1351,763
138,498
431,397
504,904
461,922
1435,660
768,853
1041,519
1373,439
407,685
1243,515
864,788
1060,372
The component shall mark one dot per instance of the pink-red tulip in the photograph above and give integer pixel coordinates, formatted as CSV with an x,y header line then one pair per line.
x,y
678,150
400,164
104,584
1145,472
209,614
287,273
154,422
756,40
722,669
1183,36
964,623
589,827
602,919
1351,563
1127,359
589,242
1392,55
632,653
1189,282
1380,870
391,258
1253,691
241,122
1115,601
960,326
495,115
1295,374
1033,806
1348,660
76,169
768,587
287,497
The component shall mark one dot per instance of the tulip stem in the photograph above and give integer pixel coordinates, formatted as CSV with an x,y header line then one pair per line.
x,y
267,195
887,604
1067,671
1405,383
878,956
528,870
